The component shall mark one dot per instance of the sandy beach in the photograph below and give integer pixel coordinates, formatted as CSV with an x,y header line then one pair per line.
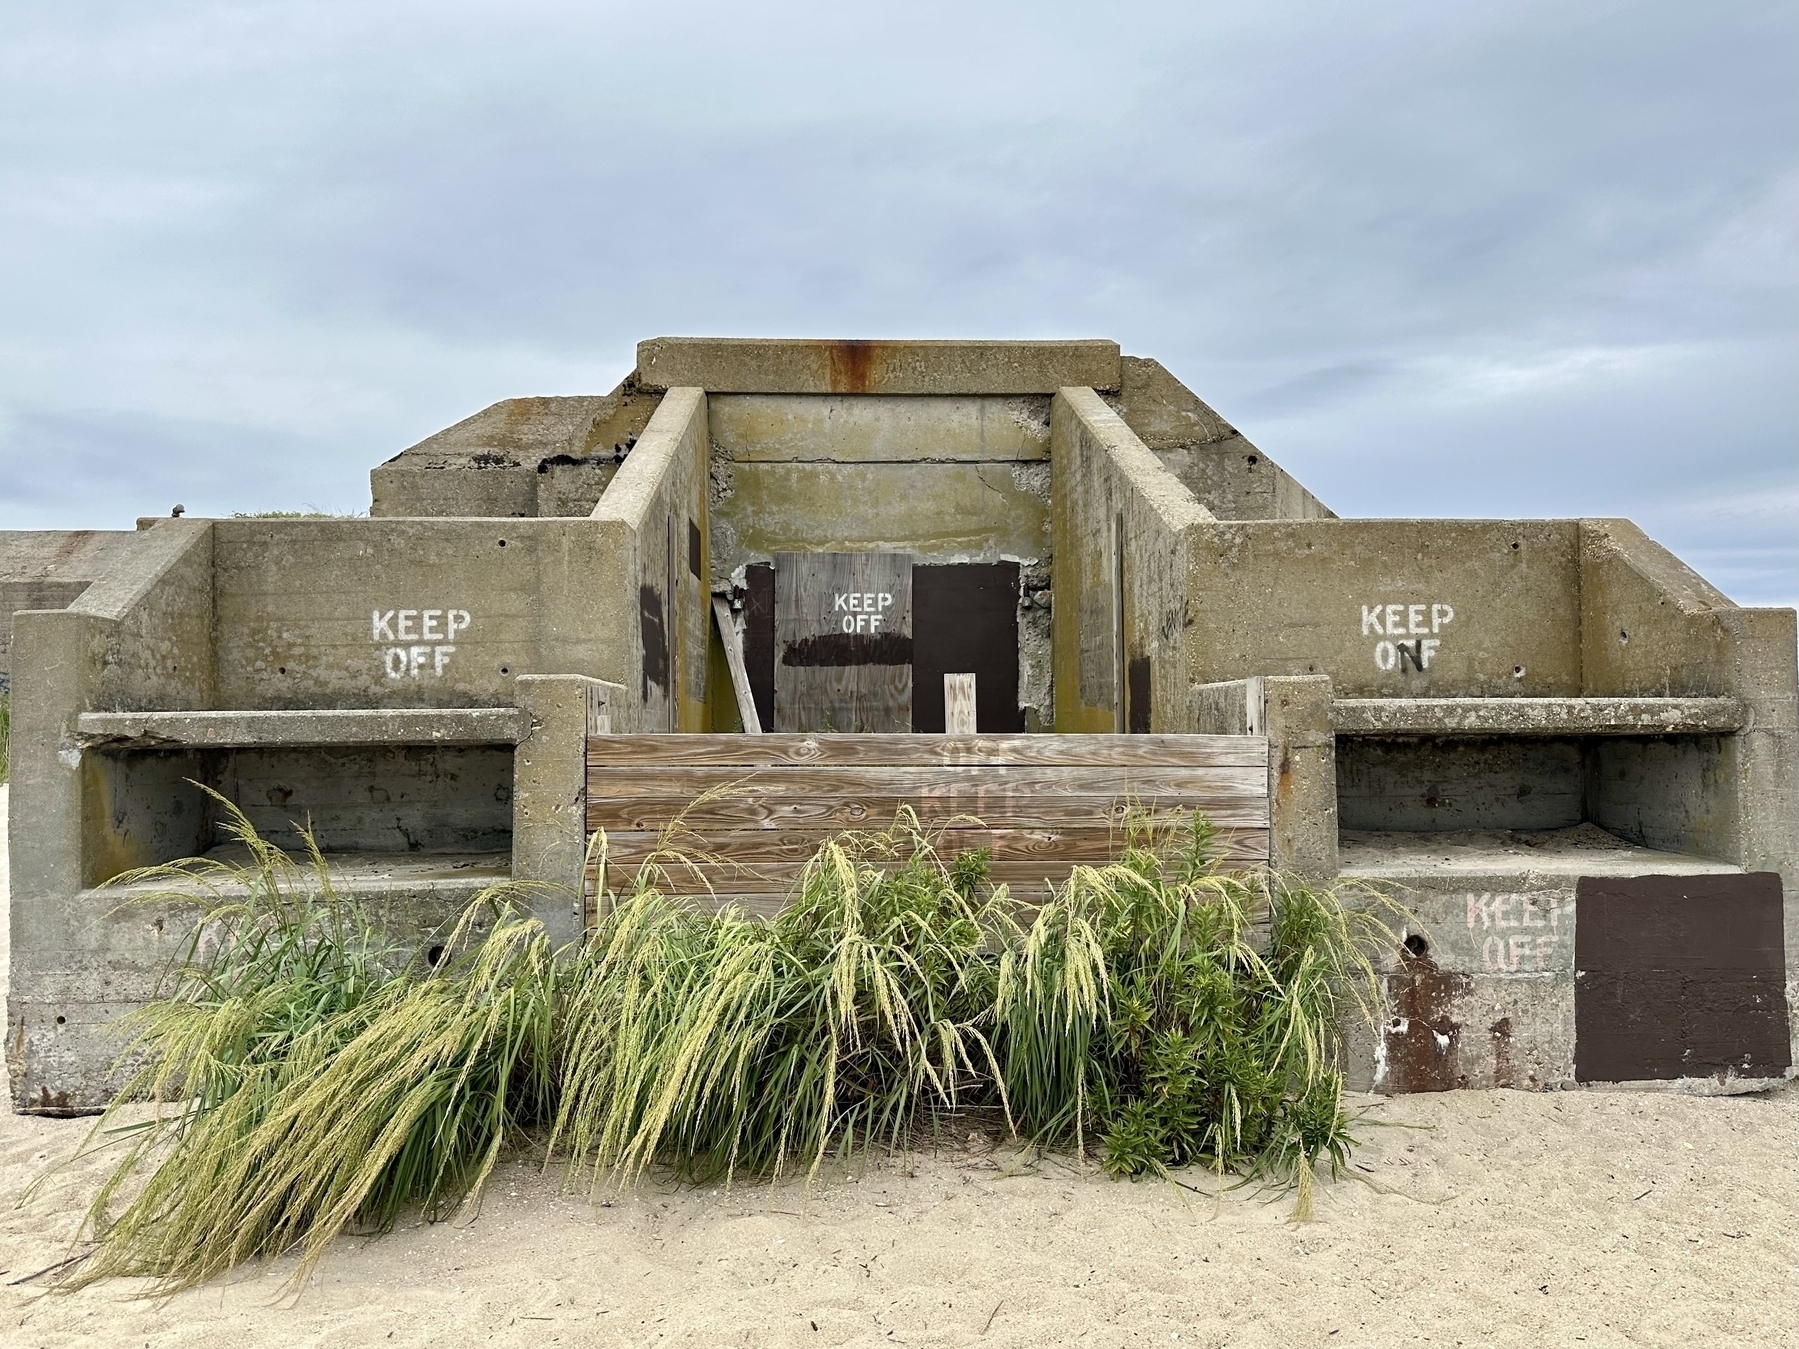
x,y
1472,1218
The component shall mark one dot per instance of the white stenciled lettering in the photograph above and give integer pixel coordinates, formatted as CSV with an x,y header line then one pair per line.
x,y
840,602
886,600
433,630
1417,622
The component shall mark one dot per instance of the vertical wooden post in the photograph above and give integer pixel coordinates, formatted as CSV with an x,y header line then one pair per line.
x,y
958,704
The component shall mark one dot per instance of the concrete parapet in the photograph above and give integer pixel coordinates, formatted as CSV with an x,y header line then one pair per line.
x,y
660,562
49,569
815,366
519,457
1123,527
1231,477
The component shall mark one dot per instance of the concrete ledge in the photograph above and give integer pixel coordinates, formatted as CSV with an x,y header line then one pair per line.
x,y
810,365
1537,716
225,730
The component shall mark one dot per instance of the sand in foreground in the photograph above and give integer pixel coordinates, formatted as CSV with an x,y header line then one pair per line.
x,y
1482,1218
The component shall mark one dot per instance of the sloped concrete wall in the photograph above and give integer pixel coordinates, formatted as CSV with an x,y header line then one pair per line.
x,y
1123,535
656,541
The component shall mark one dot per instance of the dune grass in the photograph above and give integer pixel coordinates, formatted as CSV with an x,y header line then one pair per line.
x,y
1161,1011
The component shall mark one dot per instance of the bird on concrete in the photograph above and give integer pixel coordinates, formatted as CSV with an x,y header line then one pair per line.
x,y
177,513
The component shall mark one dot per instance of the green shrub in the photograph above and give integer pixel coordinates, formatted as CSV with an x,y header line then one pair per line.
x,y
1169,1010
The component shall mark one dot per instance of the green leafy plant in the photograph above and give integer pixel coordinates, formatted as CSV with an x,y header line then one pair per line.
x,y
320,1080
714,1043
1186,1014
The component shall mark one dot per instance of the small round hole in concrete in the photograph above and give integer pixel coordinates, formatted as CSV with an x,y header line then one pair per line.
x,y
435,956
1623,636
1253,461
281,669
505,670
1514,545
1417,945
503,543
1517,672
62,1020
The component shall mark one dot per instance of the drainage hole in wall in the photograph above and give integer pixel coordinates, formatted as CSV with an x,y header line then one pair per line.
x,y
503,544
435,956
505,670
1517,672
1623,636
1252,461
281,669
1417,945
1514,545
62,1020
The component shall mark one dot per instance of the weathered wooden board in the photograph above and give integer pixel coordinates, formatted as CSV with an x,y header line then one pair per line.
x,y
843,642
772,751
1042,804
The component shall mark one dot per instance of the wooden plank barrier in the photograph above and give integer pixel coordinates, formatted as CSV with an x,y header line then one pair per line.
x,y
1042,803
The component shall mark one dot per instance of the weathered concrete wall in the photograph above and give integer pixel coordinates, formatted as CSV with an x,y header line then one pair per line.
x,y
657,508
1483,995
1123,529
1491,607
1230,477
415,613
549,796
811,366
1294,713
140,634
1424,784
519,457
49,569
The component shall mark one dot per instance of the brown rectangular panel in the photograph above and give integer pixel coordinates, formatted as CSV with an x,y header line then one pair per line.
x,y
759,638
965,621
1679,976
843,642
767,751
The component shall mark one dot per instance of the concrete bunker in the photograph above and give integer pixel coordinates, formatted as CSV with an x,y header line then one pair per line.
x,y
1501,717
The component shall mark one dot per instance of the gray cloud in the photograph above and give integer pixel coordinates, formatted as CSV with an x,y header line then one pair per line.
x,y
1494,259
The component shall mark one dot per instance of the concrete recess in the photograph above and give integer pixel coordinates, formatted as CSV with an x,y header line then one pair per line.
x,y
1480,716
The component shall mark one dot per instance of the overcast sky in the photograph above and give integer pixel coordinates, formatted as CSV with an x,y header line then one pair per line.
x,y
1482,259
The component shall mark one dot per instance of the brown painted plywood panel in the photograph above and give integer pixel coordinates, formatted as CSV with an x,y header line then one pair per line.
x,y
966,622
1679,976
843,642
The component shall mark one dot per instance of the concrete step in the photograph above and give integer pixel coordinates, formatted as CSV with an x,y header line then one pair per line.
x,y
1537,716
310,727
